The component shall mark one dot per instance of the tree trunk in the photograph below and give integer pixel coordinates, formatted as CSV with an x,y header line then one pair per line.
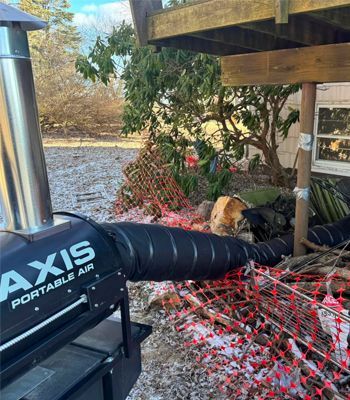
x,y
279,175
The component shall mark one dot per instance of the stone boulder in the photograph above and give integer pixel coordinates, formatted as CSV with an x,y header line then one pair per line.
x,y
205,209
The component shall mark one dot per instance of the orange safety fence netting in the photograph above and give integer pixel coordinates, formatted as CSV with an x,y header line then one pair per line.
x,y
261,332
266,334
150,185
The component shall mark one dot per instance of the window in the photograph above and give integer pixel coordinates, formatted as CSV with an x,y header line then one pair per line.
x,y
332,144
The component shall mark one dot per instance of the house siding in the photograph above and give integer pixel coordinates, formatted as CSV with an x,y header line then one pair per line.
x,y
330,94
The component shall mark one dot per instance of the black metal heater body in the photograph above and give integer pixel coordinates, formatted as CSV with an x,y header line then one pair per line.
x,y
56,293
53,289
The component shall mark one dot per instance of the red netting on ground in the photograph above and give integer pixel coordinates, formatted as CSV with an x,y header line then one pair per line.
x,y
185,219
261,332
267,333
150,185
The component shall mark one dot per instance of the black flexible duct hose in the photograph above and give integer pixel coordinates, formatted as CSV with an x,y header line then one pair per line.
x,y
271,252
158,253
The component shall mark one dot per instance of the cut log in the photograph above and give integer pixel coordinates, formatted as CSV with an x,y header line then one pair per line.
x,y
226,215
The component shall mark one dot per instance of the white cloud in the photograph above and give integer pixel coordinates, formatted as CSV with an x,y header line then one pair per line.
x,y
89,8
103,16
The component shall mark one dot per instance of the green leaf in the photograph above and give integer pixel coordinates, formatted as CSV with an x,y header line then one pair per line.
x,y
173,94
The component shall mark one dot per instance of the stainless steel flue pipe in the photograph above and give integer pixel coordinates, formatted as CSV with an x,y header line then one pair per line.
x,y
24,189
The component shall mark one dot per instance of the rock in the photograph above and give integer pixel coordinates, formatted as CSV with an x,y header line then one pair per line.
x,y
167,301
163,296
226,215
205,209
246,236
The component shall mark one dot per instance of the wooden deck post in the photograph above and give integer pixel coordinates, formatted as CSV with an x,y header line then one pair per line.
x,y
302,191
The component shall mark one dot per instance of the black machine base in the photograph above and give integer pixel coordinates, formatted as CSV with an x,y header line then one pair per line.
x,y
93,367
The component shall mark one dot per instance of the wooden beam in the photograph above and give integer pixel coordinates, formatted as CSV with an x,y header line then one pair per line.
x,y
330,63
246,38
339,18
139,10
281,11
201,45
300,29
212,14
302,191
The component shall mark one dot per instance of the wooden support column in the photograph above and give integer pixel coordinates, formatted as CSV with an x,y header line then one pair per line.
x,y
307,116
282,11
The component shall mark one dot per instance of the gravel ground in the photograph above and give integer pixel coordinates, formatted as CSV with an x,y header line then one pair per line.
x,y
169,370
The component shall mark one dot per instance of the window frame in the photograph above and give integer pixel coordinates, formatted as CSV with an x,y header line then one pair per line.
x,y
325,166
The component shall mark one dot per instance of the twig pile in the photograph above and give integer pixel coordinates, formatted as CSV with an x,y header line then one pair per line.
x,y
271,333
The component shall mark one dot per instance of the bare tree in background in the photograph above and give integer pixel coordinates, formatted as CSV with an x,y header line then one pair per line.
x,y
67,103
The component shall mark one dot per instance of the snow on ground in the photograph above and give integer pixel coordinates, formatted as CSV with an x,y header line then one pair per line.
x,y
84,177
169,369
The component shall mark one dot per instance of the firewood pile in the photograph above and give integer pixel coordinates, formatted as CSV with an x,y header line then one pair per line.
x,y
280,332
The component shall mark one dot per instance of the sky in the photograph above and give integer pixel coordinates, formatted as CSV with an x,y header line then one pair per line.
x,y
95,12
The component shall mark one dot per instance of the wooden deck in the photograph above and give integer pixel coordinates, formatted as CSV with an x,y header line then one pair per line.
x,y
245,27
261,42
249,25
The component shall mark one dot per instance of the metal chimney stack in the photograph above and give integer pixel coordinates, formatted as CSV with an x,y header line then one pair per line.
x,y
24,189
